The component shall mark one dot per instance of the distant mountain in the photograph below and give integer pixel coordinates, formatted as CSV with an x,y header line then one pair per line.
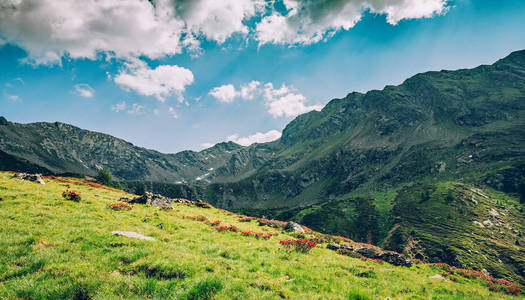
x,y
61,148
398,167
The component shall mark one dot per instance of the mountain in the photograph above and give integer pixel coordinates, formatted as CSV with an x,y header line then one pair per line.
x,y
53,248
401,167
60,148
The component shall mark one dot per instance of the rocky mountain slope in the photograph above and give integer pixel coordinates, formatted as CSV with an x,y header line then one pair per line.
x,y
395,167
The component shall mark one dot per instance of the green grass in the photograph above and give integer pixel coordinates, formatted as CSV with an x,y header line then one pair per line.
x,y
53,248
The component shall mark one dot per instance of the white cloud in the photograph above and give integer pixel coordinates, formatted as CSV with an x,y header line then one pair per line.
x,y
172,112
136,109
218,20
52,29
310,21
119,106
161,82
207,145
285,101
248,90
13,98
84,90
224,93
258,137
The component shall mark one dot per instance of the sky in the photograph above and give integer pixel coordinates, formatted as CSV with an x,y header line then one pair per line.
x,y
174,75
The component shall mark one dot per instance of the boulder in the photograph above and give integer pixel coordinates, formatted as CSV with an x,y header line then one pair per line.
x,y
368,252
30,177
293,227
132,234
151,199
333,246
395,259
3,121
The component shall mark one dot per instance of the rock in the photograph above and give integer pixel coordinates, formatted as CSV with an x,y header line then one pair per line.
x,y
437,276
479,224
161,201
344,251
150,199
293,227
30,177
3,121
494,212
368,252
132,234
487,223
395,259
203,204
333,246
347,247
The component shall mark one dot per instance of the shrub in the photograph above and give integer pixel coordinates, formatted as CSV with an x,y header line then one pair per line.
x,y
104,177
71,195
205,289
300,245
231,228
196,218
120,206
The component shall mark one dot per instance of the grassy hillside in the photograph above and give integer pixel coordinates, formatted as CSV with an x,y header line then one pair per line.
x,y
56,248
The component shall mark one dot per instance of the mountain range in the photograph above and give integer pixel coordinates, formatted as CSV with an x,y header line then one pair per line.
x,y
432,167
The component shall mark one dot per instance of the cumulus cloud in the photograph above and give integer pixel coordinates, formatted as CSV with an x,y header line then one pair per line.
x,y
285,101
310,21
218,20
119,106
52,29
136,109
224,93
161,82
258,137
173,113
84,90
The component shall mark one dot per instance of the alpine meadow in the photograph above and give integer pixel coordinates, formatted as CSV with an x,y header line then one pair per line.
x,y
412,186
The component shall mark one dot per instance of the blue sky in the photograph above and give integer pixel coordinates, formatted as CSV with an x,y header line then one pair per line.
x,y
182,87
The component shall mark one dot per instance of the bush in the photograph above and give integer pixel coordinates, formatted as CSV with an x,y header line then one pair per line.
x,y
301,245
71,195
104,177
120,206
205,289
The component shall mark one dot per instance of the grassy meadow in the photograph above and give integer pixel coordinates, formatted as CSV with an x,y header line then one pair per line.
x,y
53,248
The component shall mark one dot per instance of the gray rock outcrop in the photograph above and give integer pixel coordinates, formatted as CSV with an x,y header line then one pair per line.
x,y
30,177
293,227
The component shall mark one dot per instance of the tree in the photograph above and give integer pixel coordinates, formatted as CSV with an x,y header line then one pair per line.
x,y
104,177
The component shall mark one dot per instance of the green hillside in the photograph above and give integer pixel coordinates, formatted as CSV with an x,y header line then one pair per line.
x,y
56,248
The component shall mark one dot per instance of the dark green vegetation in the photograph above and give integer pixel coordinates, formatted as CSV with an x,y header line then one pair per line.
x,y
395,167
51,248
104,177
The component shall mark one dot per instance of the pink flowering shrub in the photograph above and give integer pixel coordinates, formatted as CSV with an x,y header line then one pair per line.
x,y
120,206
300,245
71,195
